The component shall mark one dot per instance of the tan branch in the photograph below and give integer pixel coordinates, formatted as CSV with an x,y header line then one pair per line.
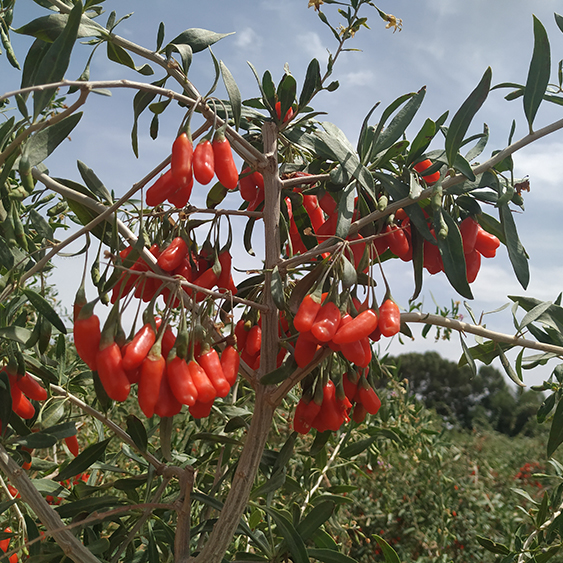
x,y
70,545
479,331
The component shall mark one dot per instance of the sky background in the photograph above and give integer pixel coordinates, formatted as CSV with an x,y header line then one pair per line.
x,y
444,45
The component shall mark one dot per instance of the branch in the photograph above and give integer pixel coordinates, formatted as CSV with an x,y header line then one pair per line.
x,y
479,331
42,125
71,547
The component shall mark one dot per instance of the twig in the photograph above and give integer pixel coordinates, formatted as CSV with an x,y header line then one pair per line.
x,y
70,545
42,125
323,472
141,521
479,331
182,536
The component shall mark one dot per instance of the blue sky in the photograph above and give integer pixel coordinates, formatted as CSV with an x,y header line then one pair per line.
x,y
444,45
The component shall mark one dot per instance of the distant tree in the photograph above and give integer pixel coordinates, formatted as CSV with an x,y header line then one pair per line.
x,y
462,398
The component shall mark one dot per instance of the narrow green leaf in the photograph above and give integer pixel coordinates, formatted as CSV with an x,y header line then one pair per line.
x,y
312,83
136,429
492,546
198,39
56,60
292,538
45,141
37,440
48,28
140,102
16,333
93,182
451,250
233,92
84,460
32,534
464,115
247,238
509,369
532,315
545,408
556,430
421,141
216,195
88,505
356,448
119,55
5,400
277,289
468,357
388,552
45,308
330,556
345,211
315,518
279,374
391,134
286,93
538,73
516,253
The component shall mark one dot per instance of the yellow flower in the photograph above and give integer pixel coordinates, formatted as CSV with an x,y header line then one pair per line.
x,y
316,4
395,23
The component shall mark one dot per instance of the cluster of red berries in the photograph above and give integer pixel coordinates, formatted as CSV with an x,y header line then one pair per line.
x,y
205,270
329,409
170,370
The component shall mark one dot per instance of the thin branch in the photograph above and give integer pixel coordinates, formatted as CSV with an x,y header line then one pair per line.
x,y
479,331
42,125
70,545
330,461
290,182
116,429
141,521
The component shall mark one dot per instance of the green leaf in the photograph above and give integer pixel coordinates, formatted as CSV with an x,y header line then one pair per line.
x,y
492,546
556,430
467,354
16,333
56,60
395,130
277,289
44,307
293,539
388,552
279,374
140,102
508,368
37,440
398,190
464,115
421,141
32,534
330,556
88,505
538,73
45,141
345,211
315,518
119,55
5,400
49,28
136,429
198,39
247,238
545,408
312,83
357,448
216,195
451,250
84,460
516,252
343,152
94,183
533,315
286,93
233,92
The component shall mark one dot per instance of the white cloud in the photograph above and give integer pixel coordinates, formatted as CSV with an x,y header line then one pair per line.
x,y
360,78
314,46
247,38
